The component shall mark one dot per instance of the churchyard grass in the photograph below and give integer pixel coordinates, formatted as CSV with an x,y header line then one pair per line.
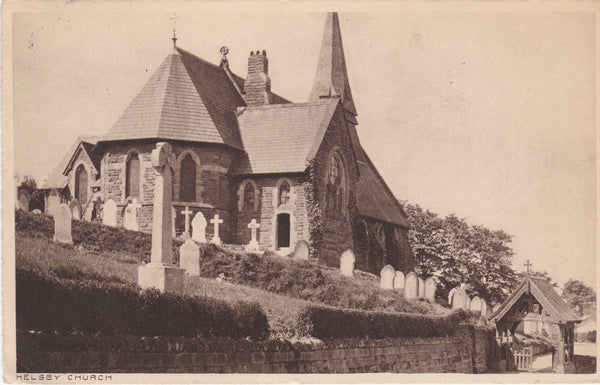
x,y
282,287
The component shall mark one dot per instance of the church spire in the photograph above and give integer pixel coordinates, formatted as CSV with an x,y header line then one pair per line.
x,y
332,76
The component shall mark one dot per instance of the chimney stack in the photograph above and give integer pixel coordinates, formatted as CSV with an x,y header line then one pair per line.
x,y
257,88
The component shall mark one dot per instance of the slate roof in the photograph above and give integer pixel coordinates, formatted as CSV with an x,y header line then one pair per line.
x,y
544,293
280,138
373,196
57,178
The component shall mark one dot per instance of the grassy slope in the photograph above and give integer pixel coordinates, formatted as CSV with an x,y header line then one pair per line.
x,y
282,288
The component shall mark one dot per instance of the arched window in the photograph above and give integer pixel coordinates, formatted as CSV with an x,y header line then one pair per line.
x,y
187,180
284,193
81,184
249,197
335,186
132,178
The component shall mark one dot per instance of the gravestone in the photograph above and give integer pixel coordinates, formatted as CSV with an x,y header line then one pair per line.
x,y
189,257
186,213
253,244
109,213
457,298
53,201
160,273
62,224
468,303
199,228
411,286
347,261
130,216
216,221
23,199
484,309
421,288
399,280
475,305
75,209
301,250
387,277
430,289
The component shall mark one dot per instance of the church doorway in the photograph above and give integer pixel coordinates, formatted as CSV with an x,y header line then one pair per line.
x,y
283,231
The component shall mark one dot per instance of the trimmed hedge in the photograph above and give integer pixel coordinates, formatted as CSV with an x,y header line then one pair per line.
x,y
329,322
93,236
48,305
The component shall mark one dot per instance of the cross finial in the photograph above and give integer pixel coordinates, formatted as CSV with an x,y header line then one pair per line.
x,y
174,38
527,265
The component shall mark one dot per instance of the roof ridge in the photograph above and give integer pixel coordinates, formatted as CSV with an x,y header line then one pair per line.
x,y
287,105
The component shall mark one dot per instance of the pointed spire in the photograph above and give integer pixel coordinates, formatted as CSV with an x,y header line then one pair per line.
x,y
332,76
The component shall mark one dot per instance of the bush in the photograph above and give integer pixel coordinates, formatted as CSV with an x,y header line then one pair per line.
x,y
328,322
48,305
93,236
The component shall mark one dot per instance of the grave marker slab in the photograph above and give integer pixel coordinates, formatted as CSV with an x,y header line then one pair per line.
x,y
130,215
109,213
23,199
186,213
301,251
430,289
387,277
411,286
199,228
160,273
399,280
53,201
457,298
421,288
475,305
189,257
468,304
347,261
62,224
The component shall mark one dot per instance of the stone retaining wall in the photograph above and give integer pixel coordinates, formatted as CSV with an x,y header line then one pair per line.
x,y
467,351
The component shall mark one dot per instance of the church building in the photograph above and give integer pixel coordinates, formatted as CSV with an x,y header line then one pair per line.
x,y
243,153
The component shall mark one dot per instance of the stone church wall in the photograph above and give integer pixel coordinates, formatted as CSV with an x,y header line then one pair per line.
x,y
267,208
337,234
213,185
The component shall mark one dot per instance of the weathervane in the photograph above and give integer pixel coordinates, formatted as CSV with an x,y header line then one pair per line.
x,y
174,38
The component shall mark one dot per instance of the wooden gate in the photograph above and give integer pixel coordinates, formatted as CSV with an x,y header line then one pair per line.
x,y
523,357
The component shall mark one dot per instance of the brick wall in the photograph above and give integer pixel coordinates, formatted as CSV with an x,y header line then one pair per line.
x,y
464,352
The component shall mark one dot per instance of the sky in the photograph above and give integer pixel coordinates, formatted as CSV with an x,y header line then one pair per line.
x,y
488,115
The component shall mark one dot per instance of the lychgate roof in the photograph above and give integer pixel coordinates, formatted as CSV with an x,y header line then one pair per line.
x,y
544,293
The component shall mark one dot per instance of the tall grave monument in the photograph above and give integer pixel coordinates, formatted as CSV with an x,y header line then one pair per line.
x,y
160,273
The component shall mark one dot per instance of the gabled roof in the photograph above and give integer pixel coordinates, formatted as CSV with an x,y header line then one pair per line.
x,y
332,76
57,178
544,293
373,196
281,138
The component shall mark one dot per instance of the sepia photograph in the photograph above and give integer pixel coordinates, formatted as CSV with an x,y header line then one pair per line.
x,y
255,192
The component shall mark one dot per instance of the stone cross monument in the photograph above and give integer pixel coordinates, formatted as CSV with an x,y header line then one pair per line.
x,y
253,245
216,222
160,272
187,213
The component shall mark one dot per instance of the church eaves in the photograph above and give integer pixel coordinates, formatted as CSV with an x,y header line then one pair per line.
x,y
186,98
332,76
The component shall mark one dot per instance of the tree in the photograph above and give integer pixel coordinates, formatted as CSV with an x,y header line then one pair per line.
x,y
580,297
455,252
537,274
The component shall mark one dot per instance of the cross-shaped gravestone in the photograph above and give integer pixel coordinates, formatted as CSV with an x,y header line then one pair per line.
x,y
216,222
160,272
253,245
187,213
